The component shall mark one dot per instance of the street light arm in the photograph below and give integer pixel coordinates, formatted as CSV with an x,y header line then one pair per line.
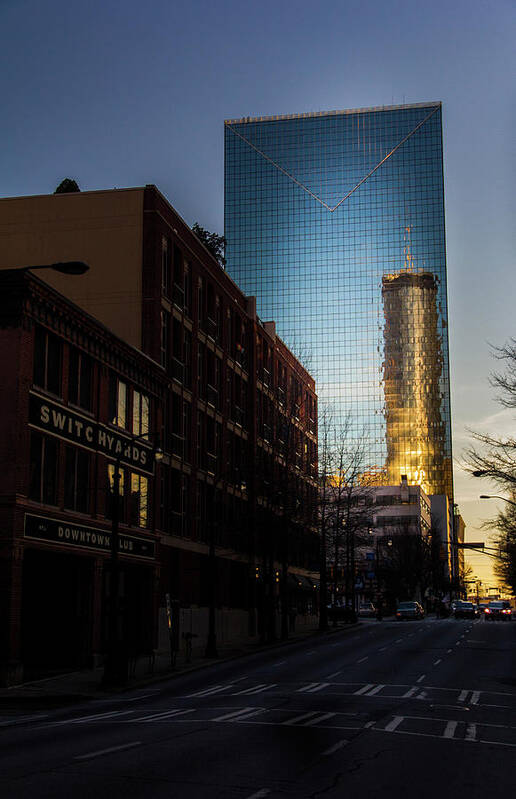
x,y
496,496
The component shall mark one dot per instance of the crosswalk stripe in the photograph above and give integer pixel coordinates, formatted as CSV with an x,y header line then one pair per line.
x,y
257,689
237,715
307,687
391,726
471,732
410,692
297,719
374,691
215,689
364,689
449,730
475,696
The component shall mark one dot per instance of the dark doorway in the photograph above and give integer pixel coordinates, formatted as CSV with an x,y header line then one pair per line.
x,y
56,612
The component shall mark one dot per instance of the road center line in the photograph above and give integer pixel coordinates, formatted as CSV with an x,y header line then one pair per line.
x,y
107,751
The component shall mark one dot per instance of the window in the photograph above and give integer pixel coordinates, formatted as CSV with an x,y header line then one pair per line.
x,y
165,265
165,323
139,500
43,469
47,361
80,379
110,492
117,412
77,480
141,414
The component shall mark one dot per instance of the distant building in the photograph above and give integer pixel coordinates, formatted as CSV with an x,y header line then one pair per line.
x,y
335,222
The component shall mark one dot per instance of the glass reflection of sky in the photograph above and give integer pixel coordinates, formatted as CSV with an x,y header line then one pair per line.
x,y
315,261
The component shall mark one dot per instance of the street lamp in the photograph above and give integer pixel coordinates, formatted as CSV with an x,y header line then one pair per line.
x,y
495,496
65,267
115,666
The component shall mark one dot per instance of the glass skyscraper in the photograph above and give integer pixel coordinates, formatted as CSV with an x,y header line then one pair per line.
x,y
335,221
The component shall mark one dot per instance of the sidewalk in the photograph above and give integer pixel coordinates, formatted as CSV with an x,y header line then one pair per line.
x,y
80,686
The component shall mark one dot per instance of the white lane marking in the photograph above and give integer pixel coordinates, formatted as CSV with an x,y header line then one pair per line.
x,y
382,649
318,687
458,643
279,664
471,732
317,719
302,717
450,728
307,687
448,651
166,714
375,691
256,689
335,674
398,640
95,717
21,719
420,679
259,794
89,755
362,659
391,726
312,652
436,663
137,698
369,724
410,692
422,695
237,715
462,696
364,689
335,747
215,689
475,696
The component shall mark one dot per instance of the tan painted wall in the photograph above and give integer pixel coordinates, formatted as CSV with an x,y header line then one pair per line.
x,y
102,228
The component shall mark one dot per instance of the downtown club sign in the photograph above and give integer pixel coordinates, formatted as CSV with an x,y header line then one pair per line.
x,y
54,531
58,420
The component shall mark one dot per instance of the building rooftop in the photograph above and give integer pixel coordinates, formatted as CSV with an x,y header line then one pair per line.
x,y
311,114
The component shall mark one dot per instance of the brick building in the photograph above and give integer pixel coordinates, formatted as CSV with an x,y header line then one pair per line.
x,y
183,357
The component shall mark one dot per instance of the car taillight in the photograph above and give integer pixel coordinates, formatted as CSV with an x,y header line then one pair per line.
x,y
506,610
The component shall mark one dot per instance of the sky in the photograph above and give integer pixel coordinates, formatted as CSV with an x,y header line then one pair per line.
x,y
118,94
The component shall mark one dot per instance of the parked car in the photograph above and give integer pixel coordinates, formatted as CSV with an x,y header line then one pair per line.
x,y
500,610
465,610
367,610
409,610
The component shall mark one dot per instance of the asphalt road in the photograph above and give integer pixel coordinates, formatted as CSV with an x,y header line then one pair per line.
x,y
389,709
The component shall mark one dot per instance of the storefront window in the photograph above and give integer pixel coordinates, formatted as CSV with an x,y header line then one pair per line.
x,y
141,412
139,500
110,494
117,402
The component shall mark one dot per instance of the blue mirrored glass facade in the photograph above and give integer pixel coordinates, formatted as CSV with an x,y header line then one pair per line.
x,y
335,221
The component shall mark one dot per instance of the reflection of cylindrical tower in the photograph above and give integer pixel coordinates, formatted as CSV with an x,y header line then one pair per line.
x,y
412,370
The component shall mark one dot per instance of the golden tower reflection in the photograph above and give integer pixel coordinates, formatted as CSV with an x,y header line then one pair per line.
x,y
412,369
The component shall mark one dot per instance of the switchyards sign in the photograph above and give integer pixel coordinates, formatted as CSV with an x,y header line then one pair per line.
x,y
58,420
77,535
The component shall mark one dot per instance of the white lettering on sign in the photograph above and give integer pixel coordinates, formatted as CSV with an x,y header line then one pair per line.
x,y
58,419
44,414
88,432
